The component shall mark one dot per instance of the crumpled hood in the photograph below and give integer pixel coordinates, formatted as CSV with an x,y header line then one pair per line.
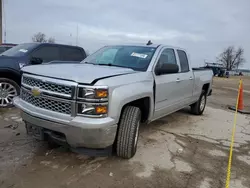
x,y
80,73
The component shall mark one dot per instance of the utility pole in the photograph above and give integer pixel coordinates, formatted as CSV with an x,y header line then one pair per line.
x,y
1,22
76,34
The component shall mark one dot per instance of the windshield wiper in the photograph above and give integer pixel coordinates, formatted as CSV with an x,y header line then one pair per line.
x,y
86,62
110,64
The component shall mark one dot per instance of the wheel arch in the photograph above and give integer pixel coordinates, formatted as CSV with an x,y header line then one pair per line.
x,y
10,74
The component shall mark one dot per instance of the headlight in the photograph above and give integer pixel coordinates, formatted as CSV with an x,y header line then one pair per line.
x,y
92,101
93,110
93,94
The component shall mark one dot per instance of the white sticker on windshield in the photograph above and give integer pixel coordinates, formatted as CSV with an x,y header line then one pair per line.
x,y
23,50
139,55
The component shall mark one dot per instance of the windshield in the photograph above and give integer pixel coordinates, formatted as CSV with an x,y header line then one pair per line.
x,y
19,50
134,57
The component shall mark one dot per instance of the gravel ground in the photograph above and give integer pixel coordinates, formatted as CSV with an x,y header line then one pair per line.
x,y
178,151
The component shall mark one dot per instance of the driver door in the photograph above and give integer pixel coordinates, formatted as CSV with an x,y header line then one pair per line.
x,y
168,89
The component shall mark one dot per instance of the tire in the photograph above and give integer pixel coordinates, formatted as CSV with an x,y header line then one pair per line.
x,y
52,144
14,90
128,132
199,107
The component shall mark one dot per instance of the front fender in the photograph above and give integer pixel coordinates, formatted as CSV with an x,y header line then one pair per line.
x,y
5,69
125,94
9,71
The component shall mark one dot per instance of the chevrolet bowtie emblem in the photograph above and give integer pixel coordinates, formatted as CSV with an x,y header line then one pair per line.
x,y
35,91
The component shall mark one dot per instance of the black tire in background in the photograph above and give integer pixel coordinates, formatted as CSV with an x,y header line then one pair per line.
x,y
12,84
199,107
128,132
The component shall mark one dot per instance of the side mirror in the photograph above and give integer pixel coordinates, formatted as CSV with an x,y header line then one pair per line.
x,y
166,68
36,60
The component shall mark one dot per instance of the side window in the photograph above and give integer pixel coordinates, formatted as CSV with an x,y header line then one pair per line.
x,y
167,56
47,53
71,54
183,60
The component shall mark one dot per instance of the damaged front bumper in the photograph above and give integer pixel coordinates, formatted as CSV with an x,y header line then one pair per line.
x,y
80,132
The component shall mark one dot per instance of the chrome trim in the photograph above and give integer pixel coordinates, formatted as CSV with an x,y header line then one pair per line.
x,y
71,84
42,95
74,90
87,109
47,91
52,80
73,109
101,100
90,103
93,116
92,87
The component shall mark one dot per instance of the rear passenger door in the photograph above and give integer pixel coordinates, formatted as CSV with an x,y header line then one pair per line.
x,y
46,53
186,78
168,90
71,54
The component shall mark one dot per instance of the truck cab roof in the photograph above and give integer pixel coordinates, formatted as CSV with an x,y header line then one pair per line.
x,y
51,44
153,45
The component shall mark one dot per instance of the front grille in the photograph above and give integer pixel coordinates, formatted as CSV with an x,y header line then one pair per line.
x,y
45,103
47,86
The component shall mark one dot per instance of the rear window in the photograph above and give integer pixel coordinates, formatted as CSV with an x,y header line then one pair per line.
x,y
72,54
183,60
20,50
4,48
47,53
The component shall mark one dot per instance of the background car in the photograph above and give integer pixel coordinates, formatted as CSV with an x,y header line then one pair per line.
x,y
12,60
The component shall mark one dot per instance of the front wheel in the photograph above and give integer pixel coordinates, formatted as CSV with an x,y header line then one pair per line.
x,y
128,132
8,90
199,107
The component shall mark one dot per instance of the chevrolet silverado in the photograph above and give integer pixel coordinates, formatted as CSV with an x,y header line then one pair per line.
x,y
99,104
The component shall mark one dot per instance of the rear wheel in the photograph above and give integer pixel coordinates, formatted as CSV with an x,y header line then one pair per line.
x,y
199,107
128,132
8,90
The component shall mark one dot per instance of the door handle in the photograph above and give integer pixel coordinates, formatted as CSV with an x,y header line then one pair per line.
x,y
191,78
178,80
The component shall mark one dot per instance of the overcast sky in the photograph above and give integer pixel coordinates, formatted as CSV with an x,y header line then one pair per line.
x,y
203,27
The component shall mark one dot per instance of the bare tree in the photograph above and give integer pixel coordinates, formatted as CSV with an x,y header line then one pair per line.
x,y
41,37
51,40
231,58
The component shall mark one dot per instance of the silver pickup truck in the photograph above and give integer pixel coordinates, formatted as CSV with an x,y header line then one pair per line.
x,y
99,104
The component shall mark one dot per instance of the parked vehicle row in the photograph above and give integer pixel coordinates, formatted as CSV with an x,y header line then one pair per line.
x,y
12,60
98,105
